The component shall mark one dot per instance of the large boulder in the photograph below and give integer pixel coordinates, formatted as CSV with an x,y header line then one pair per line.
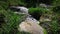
x,y
31,27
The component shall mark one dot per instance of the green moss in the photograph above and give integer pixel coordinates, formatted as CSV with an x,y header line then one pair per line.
x,y
45,31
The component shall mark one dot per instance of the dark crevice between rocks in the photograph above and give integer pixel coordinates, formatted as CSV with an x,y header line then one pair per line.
x,y
36,15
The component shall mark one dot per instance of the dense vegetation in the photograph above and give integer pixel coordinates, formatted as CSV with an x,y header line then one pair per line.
x,y
9,21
